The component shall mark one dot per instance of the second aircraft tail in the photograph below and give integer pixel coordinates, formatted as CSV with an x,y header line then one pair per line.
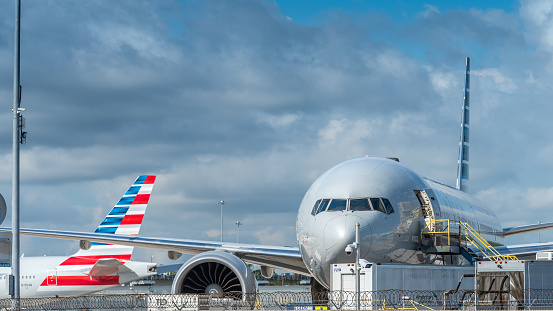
x,y
125,218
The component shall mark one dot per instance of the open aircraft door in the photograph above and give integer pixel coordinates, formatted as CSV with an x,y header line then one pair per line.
x,y
52,278
430,208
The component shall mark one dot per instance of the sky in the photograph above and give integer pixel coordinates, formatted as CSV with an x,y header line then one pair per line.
x,y
249,101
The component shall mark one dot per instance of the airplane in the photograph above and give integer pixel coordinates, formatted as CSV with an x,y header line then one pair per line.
x,y
392,203
96,266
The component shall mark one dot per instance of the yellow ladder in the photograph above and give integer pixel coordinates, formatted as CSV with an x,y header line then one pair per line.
x,y
454,230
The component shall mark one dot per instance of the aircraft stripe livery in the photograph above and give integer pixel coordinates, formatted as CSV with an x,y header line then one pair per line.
x,y
96,266
90,260
396,209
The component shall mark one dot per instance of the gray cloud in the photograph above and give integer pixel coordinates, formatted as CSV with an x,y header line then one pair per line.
x,y
235,101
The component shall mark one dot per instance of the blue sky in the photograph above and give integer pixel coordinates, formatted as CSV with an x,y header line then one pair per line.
x,y
250,101
313,12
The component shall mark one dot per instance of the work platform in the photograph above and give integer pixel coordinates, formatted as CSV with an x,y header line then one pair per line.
x,y
451,237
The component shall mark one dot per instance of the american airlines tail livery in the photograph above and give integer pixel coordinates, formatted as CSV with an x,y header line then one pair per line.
x,y
96,266
397,208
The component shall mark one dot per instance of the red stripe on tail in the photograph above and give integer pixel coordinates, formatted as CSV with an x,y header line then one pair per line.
x,y
150,179
141,199
132,220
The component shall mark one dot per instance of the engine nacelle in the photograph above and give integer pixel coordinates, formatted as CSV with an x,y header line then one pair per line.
x,y
267,272
3,209
215,272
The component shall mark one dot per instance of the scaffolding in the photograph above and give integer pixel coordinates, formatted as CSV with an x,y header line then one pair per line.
x,y
447,236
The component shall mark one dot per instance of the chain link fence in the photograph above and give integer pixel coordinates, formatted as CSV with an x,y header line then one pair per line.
x,y
336,300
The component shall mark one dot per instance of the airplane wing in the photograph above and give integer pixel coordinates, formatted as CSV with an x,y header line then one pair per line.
x,y
526,228
525,251
280,257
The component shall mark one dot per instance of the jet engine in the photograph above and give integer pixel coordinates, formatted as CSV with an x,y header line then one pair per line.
x,y
2,209
217,273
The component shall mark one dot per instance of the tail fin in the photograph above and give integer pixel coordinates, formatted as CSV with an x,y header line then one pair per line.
x,y
463,162
124,218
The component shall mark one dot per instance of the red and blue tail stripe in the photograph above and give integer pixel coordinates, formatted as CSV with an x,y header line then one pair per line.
x,y
124,218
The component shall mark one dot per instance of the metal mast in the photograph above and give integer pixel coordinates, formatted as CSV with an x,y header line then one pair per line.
x,y
463,163
222,204
16,141
238,224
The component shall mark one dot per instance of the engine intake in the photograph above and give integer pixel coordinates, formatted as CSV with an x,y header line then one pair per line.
x,y
217,273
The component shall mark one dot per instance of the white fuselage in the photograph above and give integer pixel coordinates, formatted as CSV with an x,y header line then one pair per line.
x,y
48,277
387,235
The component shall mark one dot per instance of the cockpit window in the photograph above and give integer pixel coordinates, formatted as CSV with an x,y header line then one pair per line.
x,y
314,211
388,206
377,205
320,206
359,204
324,204
337,205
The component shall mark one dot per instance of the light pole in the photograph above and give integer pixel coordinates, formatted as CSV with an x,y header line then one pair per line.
x,y
238,224
15,274
222,204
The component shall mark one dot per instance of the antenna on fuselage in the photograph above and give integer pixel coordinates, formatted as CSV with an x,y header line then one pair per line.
x,y
463,162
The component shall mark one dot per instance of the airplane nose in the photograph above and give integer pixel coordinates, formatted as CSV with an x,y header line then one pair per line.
x,y
339,231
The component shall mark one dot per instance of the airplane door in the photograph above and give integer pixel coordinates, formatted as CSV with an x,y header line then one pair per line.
x,y
52,277
430,208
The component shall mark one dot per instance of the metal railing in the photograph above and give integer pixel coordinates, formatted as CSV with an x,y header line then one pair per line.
x,y
456,231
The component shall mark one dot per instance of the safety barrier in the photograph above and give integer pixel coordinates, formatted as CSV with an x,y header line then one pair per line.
x,y
336,300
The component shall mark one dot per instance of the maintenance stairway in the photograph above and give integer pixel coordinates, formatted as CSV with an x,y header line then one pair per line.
x,y
451,237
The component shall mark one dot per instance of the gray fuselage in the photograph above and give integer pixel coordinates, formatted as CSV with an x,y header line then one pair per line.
x,y
388,234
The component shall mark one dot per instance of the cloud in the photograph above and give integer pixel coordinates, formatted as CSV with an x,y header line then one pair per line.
x,y
236,101
502,83
429,10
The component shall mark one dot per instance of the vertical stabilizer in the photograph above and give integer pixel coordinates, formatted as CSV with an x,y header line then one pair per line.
x,y
463,163
125,218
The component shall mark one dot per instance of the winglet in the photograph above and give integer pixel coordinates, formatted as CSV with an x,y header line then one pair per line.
x,y
463,162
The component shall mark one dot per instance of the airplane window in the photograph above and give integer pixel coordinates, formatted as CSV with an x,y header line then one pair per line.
x,y
388,206
320,206
377,205
323,205
337,205
314,211
359,205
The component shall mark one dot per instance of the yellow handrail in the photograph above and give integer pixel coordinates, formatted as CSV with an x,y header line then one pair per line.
x,y
470,235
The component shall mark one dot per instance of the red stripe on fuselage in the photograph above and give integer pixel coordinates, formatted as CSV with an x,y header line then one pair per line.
x,y
132,220
82,280
141,199
150,179
90,260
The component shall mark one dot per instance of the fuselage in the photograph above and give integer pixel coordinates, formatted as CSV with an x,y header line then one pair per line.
x,y
51,276
386,198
